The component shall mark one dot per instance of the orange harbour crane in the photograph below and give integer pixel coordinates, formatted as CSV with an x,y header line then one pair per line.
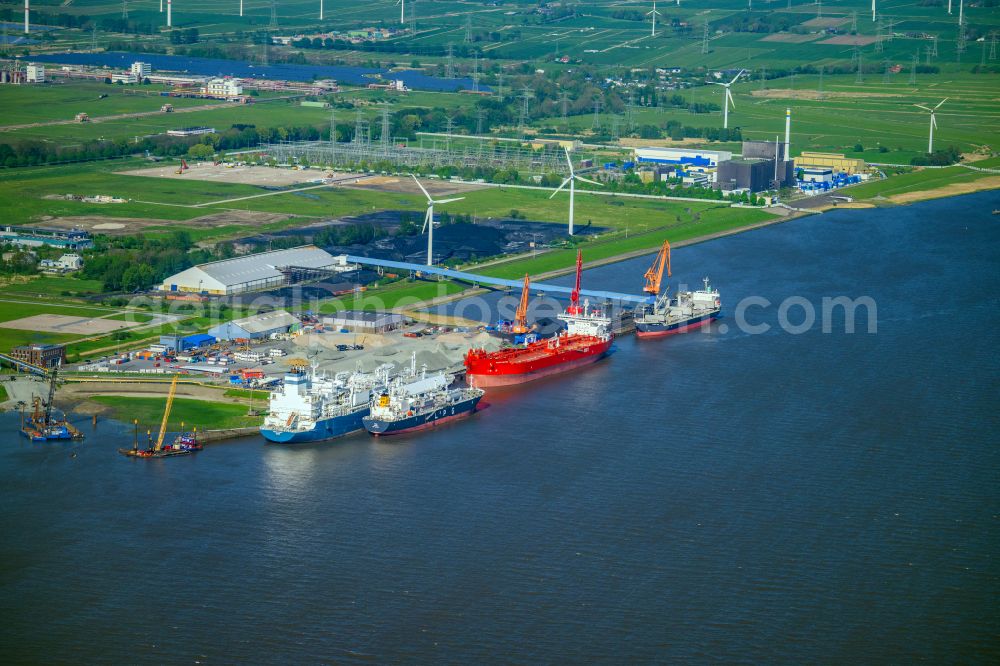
x,y
654,276
521,317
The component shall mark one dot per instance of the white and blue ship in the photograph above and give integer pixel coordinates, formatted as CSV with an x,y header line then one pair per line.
x,y
405,406
312,408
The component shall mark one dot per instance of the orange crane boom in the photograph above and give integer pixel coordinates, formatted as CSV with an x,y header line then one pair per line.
x,y
166,414
654,276
521,317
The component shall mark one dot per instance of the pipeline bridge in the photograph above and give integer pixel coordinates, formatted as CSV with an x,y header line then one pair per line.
x,y
477,280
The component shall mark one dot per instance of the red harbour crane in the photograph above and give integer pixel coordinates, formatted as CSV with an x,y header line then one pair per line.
x,y
574,298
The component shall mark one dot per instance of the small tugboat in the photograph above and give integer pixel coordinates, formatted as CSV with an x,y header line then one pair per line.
x,y
420,404
185,444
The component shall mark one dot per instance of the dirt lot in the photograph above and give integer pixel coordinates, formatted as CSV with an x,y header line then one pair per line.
x,y
52,323
264,176
244,175
790,38
826,22
114,226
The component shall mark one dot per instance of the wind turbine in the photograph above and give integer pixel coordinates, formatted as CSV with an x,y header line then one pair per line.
x,y
654,14
402,11
873,9
429,219
571,179
930,140
728,99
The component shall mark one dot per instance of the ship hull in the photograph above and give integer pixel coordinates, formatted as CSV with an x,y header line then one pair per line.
x,y
660,330
482,375
382,427
326,429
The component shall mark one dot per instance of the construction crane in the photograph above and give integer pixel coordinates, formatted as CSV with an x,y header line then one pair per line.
x,y
521,317
166,415
52,393
654,276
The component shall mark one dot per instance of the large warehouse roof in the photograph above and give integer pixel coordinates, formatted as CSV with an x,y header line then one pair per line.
x,y
253,267
268,321
250,272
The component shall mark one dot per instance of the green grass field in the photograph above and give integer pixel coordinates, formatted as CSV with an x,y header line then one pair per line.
x,y
63,100
11,310
925,179
51,286
201,413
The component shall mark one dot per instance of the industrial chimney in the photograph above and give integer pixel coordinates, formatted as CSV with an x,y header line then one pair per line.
x,y
788,132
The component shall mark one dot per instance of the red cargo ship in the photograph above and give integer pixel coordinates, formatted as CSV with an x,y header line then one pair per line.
x,y
587,339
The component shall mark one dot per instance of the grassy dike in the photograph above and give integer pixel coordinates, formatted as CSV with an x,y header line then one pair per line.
x,y
200,413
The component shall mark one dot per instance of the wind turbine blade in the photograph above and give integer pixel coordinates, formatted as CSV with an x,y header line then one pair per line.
x,y
729,98
429,200
737,76
427,216
592,182
444,201
716,83
940,103
561,186
921,106
933,121
569,161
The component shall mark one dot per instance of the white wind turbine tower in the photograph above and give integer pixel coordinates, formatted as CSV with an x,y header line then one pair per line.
x,y
930,139
728,99
873,10
320,10
402,11
571,179
429,219
654,14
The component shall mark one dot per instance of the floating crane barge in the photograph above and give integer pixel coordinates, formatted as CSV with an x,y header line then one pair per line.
x,y
185,444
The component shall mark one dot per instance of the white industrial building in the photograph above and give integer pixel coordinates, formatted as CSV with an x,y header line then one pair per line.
x,y
817,175
64,264
141,70
225,87
364,322
125,78
255,327
682,157
34,73
252,272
